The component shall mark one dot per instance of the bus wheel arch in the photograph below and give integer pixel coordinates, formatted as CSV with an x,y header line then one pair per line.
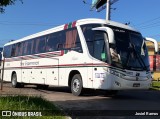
x,y
76,83
71,74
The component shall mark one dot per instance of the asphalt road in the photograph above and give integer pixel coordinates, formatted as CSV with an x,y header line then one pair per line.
x,y
95,105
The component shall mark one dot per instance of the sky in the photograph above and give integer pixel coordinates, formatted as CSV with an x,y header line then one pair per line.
x,y
33,16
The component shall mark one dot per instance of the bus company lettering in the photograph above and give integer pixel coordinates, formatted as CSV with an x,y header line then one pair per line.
x,y
30,63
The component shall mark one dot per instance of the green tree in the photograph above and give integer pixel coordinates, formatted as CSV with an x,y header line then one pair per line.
x,y
5,3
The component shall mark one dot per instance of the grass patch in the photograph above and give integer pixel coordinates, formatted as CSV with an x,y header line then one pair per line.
x,y
30,104
156,85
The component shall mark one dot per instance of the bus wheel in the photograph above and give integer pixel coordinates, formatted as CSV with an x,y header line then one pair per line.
x,y
14,82
76,85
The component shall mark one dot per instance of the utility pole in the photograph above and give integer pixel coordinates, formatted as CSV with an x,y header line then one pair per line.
x,y
108,10
2,72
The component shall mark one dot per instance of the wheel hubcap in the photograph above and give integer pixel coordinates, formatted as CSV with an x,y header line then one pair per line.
x,y
76,85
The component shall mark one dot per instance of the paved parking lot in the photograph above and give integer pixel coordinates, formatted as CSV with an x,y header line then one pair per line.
x,y
95,103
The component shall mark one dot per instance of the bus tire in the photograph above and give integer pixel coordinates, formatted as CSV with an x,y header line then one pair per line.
x,y
14,82
76,85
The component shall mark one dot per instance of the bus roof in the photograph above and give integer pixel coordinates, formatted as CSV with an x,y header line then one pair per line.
x,y
76,23
102,21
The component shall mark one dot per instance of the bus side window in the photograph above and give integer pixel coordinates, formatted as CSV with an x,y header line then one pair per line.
x,y
100,46
20,48
25,44
72,40
40,45
27,47
51,42
59,46
90,47
57,41
36,45
18,51
89,37
49,46
0,57
13,50
97,46
7,51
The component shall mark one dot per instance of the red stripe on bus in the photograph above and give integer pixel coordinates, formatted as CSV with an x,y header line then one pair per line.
x,y
46,55
63,65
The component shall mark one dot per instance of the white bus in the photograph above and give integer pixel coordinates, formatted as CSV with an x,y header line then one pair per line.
x,y
88,53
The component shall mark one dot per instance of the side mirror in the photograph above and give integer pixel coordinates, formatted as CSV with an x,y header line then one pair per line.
x,y
107,30
155,43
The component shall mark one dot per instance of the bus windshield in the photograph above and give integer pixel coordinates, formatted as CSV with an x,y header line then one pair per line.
x,y
131,50
128,52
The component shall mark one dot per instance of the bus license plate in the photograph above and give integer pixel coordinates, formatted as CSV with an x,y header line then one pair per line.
x,y
136,85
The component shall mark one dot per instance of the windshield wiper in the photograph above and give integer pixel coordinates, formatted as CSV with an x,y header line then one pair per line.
x,y
145,67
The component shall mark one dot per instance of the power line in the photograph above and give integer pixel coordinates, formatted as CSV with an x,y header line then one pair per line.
x,y
150,26
157,35
146,22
